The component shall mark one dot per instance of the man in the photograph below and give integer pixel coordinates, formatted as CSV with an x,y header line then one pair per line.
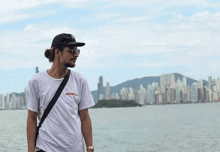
x,y
68,121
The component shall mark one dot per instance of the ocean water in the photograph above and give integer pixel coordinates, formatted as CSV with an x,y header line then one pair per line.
x,y
177,128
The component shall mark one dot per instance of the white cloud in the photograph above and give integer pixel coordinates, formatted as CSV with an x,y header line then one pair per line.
x,y
109,43
12,16
134,19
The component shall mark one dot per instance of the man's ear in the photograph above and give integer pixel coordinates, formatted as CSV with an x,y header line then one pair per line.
x,y
56,51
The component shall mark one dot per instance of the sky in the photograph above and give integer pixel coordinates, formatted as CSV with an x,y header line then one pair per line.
x,y
125,39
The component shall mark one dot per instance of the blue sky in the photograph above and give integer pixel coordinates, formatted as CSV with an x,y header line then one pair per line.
x,y
125,39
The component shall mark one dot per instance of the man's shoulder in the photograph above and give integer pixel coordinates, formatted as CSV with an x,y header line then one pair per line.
x,y
78,76
38,76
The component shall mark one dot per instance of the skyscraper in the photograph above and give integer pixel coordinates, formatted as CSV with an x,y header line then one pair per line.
x,y
167,79
210,82
37,71
2,101
184,80
101,81
107,91
194,92
142,94
124,93
100,87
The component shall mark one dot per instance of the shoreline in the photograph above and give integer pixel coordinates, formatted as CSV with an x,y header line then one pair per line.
x,y
137,106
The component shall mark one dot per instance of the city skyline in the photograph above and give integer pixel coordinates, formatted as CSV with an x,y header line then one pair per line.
x,y
168,90
37,71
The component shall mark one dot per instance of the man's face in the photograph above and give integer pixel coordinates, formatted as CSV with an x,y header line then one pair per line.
x,y
69,59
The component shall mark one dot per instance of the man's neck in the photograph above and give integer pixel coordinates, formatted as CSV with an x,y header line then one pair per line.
x,y
57,72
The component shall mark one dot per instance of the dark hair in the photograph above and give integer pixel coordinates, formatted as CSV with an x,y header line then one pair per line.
x,y
51,53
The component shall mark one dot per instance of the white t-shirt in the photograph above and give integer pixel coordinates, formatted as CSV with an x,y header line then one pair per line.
x,y
61,130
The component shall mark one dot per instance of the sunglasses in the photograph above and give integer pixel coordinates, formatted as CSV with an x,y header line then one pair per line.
x,y
73,51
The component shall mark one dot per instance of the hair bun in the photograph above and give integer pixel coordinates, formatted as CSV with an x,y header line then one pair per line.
x,y
47,53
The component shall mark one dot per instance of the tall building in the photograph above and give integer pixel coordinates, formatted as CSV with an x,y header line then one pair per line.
x,y
169,94
2,101
167,79
136,96
151,89
158,95
37,71
130,94
218,84
178,94
7,101
124,93
117,96
101,81
210,82
194,92
201,97
186,95
101,89
107,91
142,95
184,81
13,101
150,94
215,96
200,83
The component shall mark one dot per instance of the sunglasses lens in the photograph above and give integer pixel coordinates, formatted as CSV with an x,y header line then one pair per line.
x,y
74,51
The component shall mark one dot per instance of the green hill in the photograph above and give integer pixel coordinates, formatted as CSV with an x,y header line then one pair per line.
x,y
115,103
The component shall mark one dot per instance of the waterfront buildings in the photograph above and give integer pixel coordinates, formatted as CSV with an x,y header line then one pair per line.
x,y
169,91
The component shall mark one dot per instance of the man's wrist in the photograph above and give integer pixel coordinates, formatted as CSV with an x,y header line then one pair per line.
x,y
90,148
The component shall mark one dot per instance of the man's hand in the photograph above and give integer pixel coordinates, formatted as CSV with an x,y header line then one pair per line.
x,y
89,150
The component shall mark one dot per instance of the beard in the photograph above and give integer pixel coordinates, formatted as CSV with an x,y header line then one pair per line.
x,y
70,65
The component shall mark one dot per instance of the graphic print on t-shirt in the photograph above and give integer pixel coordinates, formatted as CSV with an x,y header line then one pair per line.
x,y
71,94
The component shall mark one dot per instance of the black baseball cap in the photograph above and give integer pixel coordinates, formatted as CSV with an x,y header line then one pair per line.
x,y
64,39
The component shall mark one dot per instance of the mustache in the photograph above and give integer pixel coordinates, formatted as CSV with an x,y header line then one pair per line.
x,y
75,58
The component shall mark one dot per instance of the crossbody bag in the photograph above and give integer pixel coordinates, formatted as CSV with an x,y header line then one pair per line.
x,y
52,103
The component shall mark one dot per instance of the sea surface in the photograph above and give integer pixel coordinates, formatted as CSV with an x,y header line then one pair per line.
x,y
164,128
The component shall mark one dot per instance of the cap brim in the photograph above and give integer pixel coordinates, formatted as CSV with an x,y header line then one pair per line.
x,y
76,44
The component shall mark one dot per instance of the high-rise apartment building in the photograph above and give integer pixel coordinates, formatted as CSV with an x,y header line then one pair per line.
x,y
194,92
107,91
142,95
130,94
101,81
167,79
124,93
37,71
2,101
184,81
7,101
210,82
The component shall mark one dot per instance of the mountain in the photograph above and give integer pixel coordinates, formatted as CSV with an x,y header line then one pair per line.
x,y
135,84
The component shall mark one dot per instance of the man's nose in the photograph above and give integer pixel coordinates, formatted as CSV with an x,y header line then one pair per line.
x,y
76,54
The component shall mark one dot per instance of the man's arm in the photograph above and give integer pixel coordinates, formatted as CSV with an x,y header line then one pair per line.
x,y
86,127
31,130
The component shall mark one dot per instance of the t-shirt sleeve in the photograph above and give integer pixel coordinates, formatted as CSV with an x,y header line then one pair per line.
x,y
86,97
33,100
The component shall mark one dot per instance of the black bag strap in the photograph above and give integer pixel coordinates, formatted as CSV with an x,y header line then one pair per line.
x,y
55,97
